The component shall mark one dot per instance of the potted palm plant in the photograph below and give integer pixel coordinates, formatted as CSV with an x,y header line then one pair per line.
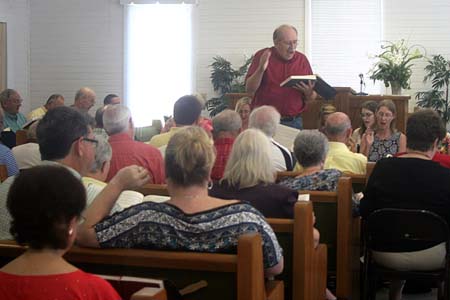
x,y
226,82
438,72
394,65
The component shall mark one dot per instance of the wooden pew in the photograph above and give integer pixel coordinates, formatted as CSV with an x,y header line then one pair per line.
x,y
334,220
3,173
229,276
21,137
305,267
154,189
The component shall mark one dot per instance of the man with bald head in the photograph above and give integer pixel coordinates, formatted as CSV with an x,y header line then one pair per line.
x,y
270,67
338,129
84,99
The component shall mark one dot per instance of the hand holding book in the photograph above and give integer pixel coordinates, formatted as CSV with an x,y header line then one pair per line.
x,y
320,86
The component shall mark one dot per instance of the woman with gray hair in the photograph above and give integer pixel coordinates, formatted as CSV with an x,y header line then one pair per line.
x,y
310,149
248,176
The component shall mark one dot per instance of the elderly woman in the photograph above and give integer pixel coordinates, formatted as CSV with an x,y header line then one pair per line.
x,y
243,109
247,178
188,221
47,223
412,181
310,149
385,140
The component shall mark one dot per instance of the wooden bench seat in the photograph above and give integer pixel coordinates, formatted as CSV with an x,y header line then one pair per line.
x,y
229,276
305,267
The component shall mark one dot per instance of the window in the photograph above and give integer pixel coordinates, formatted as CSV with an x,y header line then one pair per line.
x,y
344,33
158,59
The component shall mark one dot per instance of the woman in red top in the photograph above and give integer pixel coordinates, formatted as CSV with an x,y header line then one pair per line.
x,y
45,203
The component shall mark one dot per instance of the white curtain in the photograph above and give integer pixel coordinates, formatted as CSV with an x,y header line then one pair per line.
x,y
158,59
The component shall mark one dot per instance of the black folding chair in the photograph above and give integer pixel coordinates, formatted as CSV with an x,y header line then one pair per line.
x,y
403,230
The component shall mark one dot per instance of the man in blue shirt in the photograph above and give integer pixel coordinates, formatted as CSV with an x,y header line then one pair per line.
x,y
11,102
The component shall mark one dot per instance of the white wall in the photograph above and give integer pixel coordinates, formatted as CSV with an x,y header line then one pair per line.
x,y
74,44
235,29
16,14
421,22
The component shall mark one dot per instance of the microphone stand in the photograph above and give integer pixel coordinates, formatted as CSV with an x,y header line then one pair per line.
x,y
361,83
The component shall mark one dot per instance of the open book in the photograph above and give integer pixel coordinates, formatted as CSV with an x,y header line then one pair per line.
x,y
321,87
130,198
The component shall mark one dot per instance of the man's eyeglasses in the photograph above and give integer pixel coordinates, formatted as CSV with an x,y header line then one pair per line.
x,y
95,142
292,44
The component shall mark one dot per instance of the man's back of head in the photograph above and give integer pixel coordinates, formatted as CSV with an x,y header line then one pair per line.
x,y
265,118
186,111
117,119
338,127
57,131
112,99
228,123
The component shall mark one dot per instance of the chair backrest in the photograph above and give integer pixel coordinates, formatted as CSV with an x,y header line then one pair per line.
x,y
305,267
229,276
369,169
404,230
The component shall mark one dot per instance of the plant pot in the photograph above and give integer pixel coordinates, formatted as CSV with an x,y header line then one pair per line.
x,y
396,88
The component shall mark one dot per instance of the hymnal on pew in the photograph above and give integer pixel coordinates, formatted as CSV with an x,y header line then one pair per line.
x,y
321,87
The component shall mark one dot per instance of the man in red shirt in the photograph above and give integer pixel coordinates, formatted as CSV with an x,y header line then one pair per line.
x,y
270,67
226,126
125,151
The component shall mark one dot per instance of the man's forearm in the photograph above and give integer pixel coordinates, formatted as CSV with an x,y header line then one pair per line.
x,y
254,81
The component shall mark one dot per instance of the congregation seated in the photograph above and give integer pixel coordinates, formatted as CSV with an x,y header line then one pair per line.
x,y
226,126
338,130
53,101
118,123
6,156
412,181
243,109
46,222
11,102
65,139
247,178
367,111
266,118
27,155
310,149
186,112
191,220
385,139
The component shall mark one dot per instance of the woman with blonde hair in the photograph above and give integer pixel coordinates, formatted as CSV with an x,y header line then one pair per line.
x,y
191,220
249,176
243,109
385,140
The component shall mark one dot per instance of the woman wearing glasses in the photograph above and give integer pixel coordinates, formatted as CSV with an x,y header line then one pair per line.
x,y
368,110
385,139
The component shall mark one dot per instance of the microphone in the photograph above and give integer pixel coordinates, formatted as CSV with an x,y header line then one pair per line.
x,y
361,83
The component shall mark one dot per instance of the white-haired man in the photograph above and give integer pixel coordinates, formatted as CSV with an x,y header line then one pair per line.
x,y
266,118
84,99
118,124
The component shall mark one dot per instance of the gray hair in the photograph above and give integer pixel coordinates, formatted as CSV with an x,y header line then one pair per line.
x,y
336,124
278,31
103,153
249,161
116,119
83,92
6,94
227,120
310,147
265,118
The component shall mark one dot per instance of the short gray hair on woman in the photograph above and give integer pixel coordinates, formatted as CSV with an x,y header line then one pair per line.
x,y
116,119
103,153
227,120
265,118
310,147
250,160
